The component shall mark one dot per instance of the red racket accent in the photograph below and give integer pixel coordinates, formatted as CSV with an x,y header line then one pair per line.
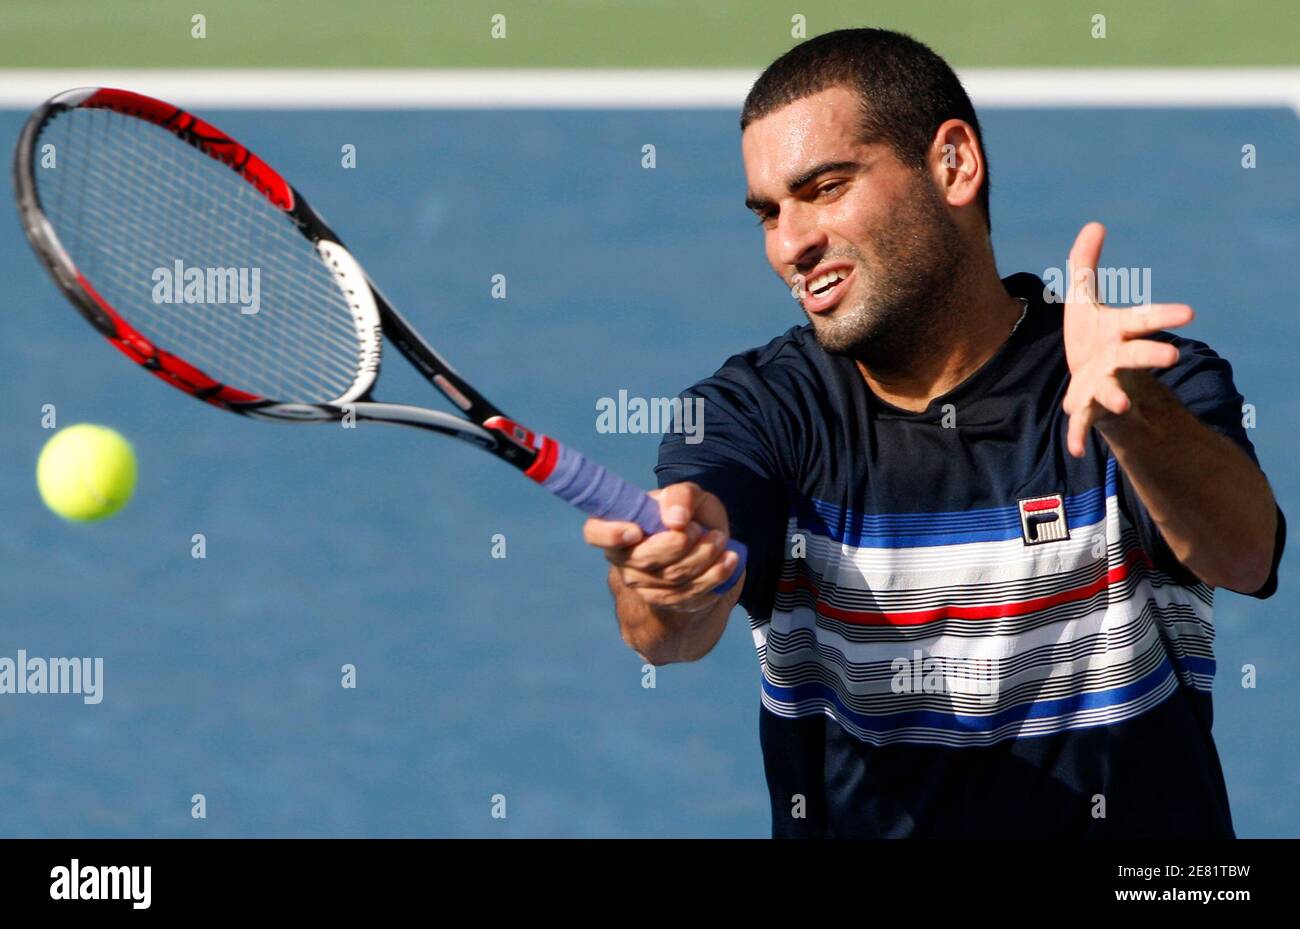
x,y
548,450
207,137
174,370
544,464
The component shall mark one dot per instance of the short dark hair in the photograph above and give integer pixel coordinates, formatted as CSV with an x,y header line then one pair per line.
x,y
907,91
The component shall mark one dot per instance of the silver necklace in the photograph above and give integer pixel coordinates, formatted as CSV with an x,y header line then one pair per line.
x,y
1023,314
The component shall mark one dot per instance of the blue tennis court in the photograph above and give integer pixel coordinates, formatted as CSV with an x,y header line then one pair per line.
x,y
480,677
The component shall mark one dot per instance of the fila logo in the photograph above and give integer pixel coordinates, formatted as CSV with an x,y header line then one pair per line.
x,y
1042,519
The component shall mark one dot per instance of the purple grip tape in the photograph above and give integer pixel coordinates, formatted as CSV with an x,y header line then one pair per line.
x,y
600,493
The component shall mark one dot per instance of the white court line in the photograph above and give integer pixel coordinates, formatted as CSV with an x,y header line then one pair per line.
x,y
667,89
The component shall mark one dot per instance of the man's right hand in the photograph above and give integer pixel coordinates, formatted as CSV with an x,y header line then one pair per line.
x,y
663,585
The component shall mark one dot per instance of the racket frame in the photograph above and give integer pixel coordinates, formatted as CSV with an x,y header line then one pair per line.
x,y
484,424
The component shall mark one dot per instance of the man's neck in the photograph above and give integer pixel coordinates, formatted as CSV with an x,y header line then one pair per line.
x,y
976,325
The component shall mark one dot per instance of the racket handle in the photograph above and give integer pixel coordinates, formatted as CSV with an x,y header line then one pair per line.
x,y
576,479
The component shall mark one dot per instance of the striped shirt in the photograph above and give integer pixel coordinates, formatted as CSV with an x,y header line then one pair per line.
x,y
962,630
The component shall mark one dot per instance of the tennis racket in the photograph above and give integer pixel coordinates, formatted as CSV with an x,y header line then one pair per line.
x,y
153,222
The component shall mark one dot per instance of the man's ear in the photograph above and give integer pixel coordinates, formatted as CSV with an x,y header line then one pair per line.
x,y
957,163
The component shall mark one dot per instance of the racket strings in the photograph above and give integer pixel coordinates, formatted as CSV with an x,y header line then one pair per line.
x,y
129,200
212,317
330,346
209,319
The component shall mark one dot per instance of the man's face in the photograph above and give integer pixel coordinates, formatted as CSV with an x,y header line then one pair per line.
x,y
862,238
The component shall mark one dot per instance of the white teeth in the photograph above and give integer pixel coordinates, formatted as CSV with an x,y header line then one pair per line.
x,y
825,280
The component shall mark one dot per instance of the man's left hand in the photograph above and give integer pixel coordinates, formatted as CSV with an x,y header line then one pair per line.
x,y
1104,346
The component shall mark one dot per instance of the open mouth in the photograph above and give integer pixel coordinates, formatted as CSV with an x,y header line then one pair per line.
x,y
822,285
823,292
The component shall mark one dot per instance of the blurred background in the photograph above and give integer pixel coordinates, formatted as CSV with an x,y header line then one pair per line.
x,y
480,676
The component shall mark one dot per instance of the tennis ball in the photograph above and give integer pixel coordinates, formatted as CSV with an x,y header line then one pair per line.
x,y
86,472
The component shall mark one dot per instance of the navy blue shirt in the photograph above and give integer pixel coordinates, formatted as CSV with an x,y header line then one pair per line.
x,y
963,631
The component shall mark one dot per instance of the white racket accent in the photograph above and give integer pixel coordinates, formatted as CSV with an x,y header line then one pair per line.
x,y
365,315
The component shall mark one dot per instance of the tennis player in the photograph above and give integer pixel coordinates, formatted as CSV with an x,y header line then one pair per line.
x,y
984,523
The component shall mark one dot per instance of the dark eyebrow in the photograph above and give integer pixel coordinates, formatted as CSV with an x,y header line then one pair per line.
x,y
795,183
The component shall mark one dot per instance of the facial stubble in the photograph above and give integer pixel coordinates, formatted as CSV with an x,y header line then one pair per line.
x,y
910,282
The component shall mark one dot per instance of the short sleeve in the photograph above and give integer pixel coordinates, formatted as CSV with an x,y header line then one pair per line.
x,y
733,457
1202,381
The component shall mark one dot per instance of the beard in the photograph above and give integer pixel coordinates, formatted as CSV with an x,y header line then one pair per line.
x,y
906,287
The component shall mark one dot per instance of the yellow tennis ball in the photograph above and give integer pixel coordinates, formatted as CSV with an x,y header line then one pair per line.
x,y
86,472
